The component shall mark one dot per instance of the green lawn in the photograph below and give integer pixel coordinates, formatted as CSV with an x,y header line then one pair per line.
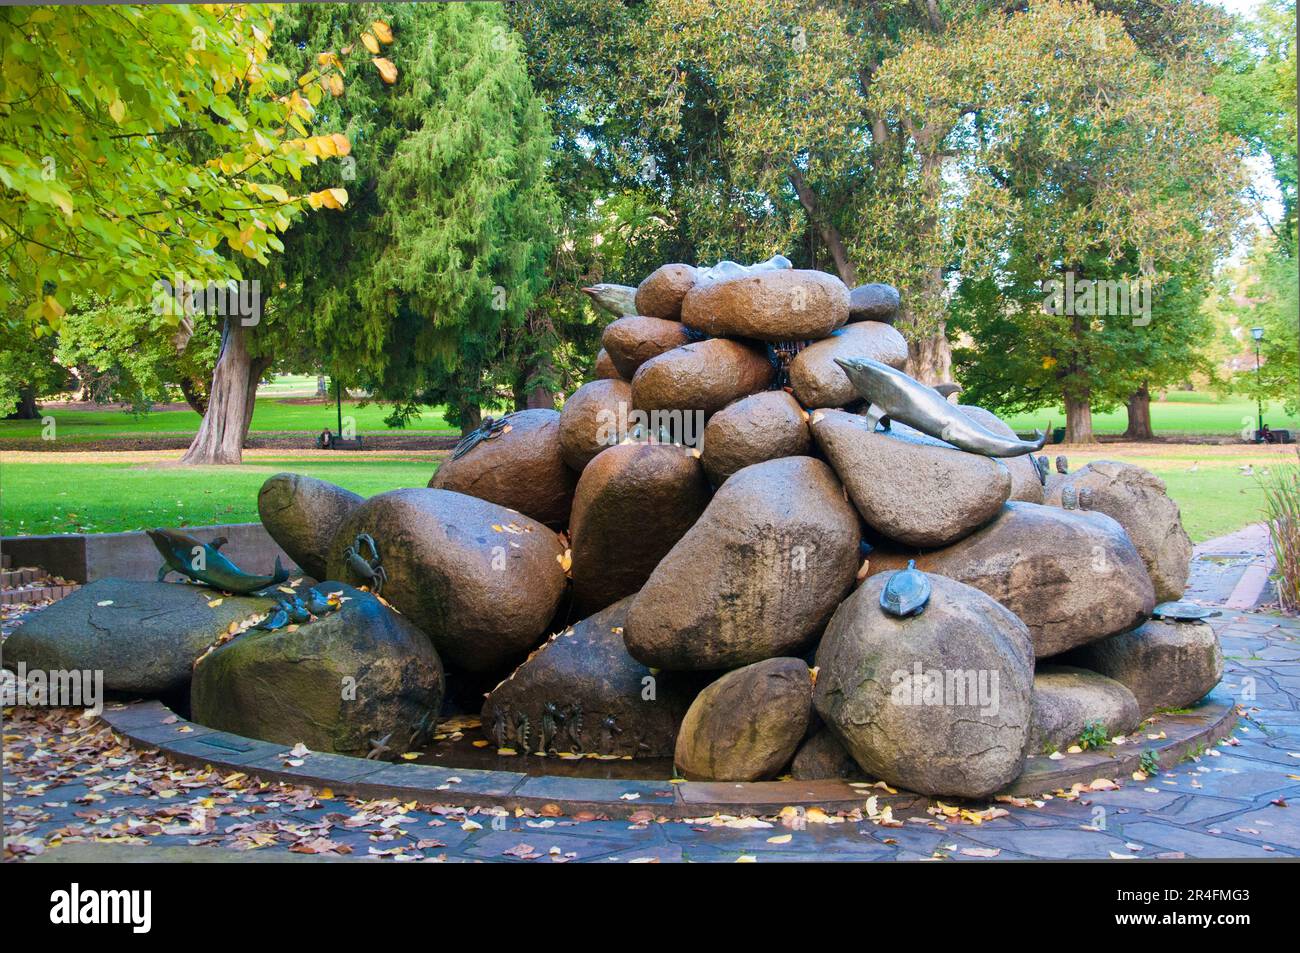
x,y
271,414
77,493
1184,413
37,498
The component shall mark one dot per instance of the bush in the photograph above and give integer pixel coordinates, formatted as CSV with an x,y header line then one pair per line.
x,y
1282,514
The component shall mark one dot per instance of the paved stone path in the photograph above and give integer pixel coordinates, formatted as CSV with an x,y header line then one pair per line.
x,y
1240,799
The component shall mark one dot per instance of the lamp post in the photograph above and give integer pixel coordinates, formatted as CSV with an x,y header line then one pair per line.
x,y
1258,335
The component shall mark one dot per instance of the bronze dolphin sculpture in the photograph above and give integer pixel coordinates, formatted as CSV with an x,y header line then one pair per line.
x,y
894,395
180,553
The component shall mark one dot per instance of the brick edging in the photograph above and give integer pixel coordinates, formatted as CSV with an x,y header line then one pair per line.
x,y
151,724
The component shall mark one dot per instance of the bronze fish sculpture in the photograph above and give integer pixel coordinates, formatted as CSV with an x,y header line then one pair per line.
x,y
893,395
203,563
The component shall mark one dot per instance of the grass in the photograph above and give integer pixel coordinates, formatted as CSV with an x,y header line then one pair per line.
x,y
270,414
1185,412
67,492
1213,494
89,496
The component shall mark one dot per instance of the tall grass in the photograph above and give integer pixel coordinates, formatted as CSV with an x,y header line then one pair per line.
x,y
1282,514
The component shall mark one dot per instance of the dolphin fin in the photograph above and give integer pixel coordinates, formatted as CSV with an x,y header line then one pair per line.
x,y
877,415
218,542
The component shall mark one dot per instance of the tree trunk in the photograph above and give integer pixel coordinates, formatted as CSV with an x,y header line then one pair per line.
x,y
1139,415
26,409
1078,420
224,429
193,393
470,418
930,359
830,235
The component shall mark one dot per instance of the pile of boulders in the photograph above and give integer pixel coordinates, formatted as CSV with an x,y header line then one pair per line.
x,y
708,527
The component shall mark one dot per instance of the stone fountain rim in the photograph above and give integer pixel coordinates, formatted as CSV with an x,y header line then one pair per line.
x,y
152,725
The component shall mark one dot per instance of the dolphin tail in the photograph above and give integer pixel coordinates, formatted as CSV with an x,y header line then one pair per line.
x,y
280,574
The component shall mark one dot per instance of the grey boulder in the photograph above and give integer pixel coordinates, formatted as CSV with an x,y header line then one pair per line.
x,y
144,636
760,427
817,381
940,703
909,487
746,725
1067,700
302,514
360,675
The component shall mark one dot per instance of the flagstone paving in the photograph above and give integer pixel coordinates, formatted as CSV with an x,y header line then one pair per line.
x,y
71,792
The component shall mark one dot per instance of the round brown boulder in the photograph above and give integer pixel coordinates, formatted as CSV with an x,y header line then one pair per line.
x,y
939,703
660,294
1026,485
521,469
874,302
760,427
704,376
1068,700
909,487
823,758
604,369
630,342
789,304
634,502
581,692
285,686
1072,577
1136,499
756,577
589,420
480,580
1164,664
302,514
817,381
746,725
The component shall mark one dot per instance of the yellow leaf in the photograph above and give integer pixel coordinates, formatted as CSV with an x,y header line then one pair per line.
x,y
341,145
117,109
335,82
340,196
387,71
381,30
780,839
369,42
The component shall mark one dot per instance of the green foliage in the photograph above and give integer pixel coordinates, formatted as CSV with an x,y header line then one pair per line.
x,y
142,142
418,289
28,370
1282,516
1093,736
1150,762
133,354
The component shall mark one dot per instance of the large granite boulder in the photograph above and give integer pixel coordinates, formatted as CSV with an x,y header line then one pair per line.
x,y
581,692
909,487
822,758
481,581
302,514
1136,499
874,302
1072,577
1067,700
604,368
1164,664
661,292
938,703
144,636
521,469
634,502
630,342
746,725
1026,486
789,304
360,674
704,376
817,381
589,420
760,427
757,576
